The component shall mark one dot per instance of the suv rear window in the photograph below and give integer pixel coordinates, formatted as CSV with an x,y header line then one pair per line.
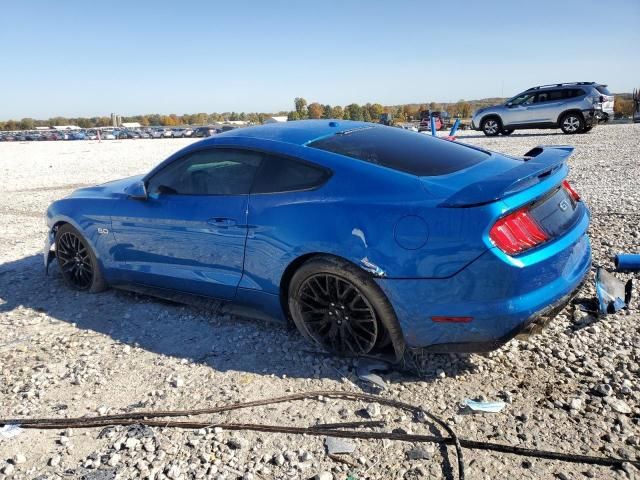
x,y
402,150
603,89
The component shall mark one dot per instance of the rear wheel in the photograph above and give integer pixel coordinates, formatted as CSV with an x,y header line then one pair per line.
x,y
571,123
339,307
491,126
77,262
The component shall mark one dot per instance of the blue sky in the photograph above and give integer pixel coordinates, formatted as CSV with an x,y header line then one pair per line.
x,y
78,58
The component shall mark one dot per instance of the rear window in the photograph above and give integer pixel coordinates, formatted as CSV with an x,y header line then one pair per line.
x,y
603,89
402,150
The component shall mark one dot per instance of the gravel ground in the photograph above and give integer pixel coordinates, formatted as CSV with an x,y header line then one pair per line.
x,y
574,388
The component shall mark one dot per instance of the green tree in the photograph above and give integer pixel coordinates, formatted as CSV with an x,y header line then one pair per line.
x,y
315,110
353,112
326,111
337,112
301,107
27,124
293,115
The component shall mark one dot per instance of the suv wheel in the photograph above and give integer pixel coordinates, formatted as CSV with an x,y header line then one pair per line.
x,y
491,126
571,123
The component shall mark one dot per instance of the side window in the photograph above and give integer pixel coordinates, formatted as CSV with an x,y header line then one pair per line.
x,y
279,174
208,172
523,99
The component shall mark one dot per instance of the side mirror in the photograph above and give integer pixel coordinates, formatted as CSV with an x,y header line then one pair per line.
x,y
137,191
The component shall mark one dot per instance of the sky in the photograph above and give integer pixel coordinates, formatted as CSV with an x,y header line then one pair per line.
x,y
78,58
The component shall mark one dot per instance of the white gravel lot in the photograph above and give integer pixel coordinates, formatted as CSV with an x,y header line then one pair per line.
x,y
575,388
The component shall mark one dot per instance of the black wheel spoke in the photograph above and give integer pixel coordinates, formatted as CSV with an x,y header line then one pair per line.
x,y
337,314
74,260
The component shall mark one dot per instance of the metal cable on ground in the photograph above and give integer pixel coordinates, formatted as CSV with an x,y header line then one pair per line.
x,y
352,396
321,430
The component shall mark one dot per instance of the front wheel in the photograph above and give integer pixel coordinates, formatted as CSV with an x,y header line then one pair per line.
x,y
572,123
491,126
77,262
339,307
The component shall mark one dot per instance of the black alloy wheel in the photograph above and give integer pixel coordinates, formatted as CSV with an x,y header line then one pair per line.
x,y
337,315
75,260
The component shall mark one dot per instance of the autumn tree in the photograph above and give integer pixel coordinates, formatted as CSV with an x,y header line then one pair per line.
x,y
314,110
337,112
326,111
623,106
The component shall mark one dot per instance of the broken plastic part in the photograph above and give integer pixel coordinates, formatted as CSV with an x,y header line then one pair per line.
x,y
365,369
627,262
372,267
613,294
489,407
9,431
338,445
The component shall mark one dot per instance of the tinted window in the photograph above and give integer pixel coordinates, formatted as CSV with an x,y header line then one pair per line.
x,y
577,92
603,89
410,152
279,174
208,172
550,96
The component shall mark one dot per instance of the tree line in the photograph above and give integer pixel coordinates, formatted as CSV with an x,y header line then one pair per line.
x,y
369,112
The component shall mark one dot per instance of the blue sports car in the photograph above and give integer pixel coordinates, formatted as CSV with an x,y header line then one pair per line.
x,y
366,237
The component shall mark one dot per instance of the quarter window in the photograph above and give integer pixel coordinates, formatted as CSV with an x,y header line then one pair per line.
x,y
279,174
208,172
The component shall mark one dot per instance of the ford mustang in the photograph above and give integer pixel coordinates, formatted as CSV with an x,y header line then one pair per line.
x,y
366,237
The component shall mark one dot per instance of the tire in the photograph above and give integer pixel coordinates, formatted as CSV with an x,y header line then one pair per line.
x,y
491,126
571,123
77,261
507,131
339,307
586,129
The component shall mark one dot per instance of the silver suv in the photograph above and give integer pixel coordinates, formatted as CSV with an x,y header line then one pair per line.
x,y
573,107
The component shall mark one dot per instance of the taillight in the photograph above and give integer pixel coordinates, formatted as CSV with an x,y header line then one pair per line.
x,y
517,232
575,195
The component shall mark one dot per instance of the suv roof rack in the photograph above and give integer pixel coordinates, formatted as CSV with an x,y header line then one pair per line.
x,y
559,85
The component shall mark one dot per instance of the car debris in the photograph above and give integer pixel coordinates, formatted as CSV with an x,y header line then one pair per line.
x,y
613,294
338,445
486,407
627,262
365,369
9,431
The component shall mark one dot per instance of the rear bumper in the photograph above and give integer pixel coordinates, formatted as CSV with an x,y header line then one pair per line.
x,y
503,297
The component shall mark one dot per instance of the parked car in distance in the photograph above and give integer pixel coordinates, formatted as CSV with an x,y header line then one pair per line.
x,y
572,107
438,245
204,132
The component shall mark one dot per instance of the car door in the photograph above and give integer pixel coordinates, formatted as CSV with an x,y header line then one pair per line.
x,y
517,111
189,234
546,106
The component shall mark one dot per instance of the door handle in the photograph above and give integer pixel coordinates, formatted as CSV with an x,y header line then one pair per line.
x,y
221,222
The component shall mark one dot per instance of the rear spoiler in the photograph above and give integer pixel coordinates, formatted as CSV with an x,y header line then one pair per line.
x,y
538,163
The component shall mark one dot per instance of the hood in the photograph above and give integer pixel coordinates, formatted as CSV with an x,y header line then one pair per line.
x,y
115,188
